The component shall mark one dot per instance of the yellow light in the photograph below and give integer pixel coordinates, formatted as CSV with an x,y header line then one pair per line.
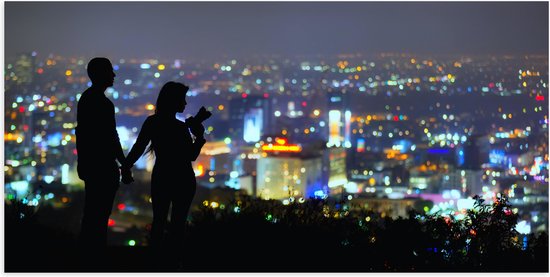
x,y
316,112
68,73
413,61
284,132
280,141
372,181
150,107
281,148
199,171
221,107
525,84
161,67
358,68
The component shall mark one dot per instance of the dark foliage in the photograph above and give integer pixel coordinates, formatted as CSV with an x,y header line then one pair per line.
x,y
314,236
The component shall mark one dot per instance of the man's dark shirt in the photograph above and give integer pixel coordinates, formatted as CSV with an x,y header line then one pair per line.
x,y
97,140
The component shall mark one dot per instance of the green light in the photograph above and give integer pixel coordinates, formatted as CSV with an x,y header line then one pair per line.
x,y
132,242
227,140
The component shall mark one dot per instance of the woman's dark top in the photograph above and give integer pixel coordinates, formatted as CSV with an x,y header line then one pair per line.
x,y
173,147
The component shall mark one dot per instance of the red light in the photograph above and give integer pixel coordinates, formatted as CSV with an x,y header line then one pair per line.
x,y
304,103
539,98
395,118
111,223
21,109
491,85
266,95
244,95
121,206
74,152
25,127
40,71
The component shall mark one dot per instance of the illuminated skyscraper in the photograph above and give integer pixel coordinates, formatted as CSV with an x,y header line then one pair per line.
x,y
334,123
253,125
286,172
247,110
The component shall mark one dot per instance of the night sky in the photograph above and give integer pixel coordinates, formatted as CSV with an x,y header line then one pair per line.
x,y
213,29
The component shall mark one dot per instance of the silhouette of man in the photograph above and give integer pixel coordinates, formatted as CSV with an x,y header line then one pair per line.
x,y
98,148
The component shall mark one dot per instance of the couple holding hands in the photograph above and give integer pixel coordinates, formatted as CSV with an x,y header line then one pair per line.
x,y
175,144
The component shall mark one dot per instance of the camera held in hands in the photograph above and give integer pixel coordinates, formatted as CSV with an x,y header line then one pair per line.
x,y
194,122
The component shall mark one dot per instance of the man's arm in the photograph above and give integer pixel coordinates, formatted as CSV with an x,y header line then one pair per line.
x,y
119,154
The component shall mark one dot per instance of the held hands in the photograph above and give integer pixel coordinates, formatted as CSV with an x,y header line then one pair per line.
x,y
127,177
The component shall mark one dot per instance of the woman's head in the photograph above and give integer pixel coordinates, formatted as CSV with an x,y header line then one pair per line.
x,y
171,98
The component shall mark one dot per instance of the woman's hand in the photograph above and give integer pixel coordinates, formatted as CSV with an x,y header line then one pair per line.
x,y
197,130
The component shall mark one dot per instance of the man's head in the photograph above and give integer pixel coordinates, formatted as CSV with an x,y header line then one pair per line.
x,y
100,71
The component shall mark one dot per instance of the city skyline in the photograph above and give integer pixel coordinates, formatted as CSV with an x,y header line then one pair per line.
x,y
334,127
205,29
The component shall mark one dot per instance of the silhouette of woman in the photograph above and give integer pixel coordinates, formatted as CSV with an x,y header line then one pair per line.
x,y
173,179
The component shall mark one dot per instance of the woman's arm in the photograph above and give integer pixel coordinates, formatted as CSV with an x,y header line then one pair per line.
x,y
198,132
142,141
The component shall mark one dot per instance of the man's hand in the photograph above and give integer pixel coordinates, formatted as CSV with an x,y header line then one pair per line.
x,y
127,177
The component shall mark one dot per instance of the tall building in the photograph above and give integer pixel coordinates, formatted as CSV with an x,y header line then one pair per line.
x,y
250,113
253,125
337,176
286,172
24,68
339,120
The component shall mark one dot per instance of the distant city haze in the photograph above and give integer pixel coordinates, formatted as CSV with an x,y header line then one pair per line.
x,y
207,29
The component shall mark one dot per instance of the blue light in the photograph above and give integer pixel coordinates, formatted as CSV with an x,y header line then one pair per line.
x,y
438,151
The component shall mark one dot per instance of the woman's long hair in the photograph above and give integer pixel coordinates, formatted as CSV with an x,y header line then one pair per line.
x,y
170,96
